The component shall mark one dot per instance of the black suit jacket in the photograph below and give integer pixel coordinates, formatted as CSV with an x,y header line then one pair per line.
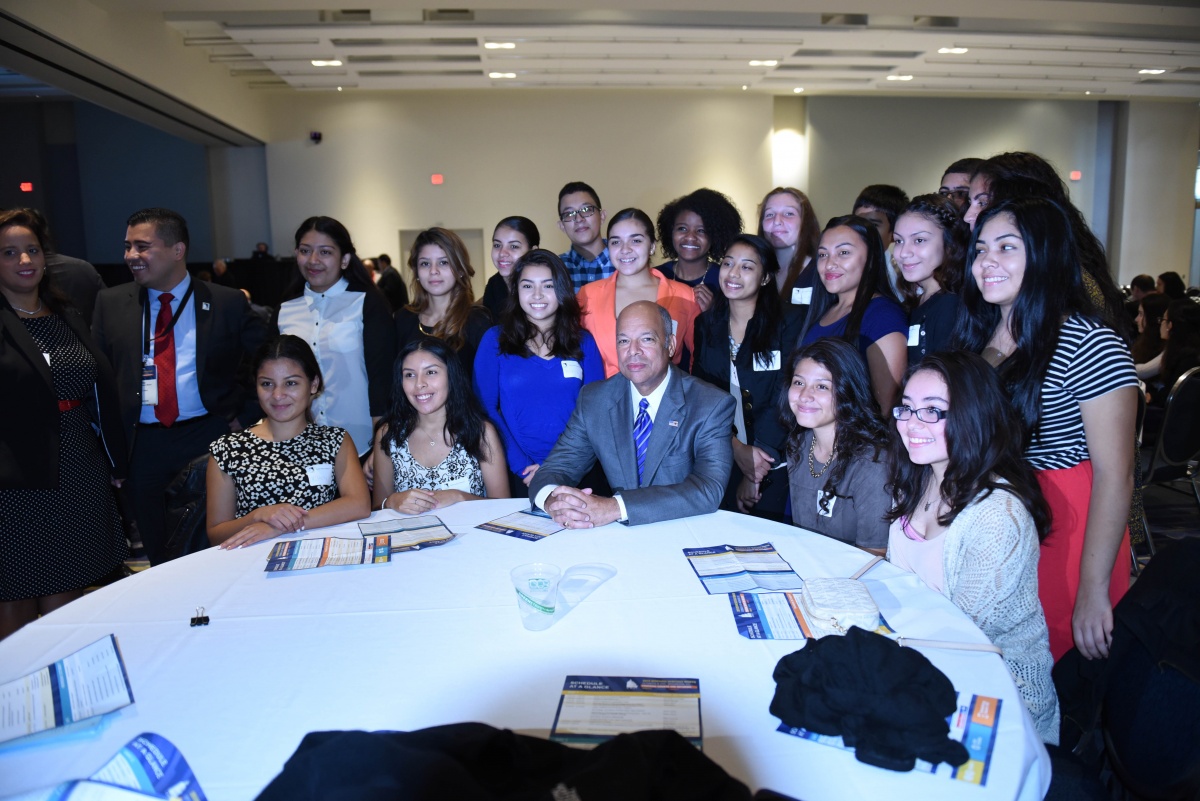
x,y
29,415
227,334
761,388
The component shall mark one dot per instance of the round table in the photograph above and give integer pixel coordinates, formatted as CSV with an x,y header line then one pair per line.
x,y
435,637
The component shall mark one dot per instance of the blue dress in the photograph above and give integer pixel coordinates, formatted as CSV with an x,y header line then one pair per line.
x,y
530,399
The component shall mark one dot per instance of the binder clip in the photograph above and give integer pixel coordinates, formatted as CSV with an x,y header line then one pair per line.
x,y
200,619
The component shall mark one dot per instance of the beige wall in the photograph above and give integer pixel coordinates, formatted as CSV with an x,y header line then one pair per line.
x,y
1158,168
909,141
503,153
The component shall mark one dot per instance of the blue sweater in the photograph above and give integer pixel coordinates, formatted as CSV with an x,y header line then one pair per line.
x,y
530,399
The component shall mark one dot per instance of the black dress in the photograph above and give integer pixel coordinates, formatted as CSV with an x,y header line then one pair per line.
x,y
66,538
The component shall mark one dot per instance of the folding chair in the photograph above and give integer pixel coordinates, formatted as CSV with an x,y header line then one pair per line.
x,y
1178,451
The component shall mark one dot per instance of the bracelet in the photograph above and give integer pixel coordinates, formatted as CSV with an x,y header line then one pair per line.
x,y
383,505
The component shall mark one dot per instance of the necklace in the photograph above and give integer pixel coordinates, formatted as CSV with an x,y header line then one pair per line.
x,y
811,466
426,331
27,311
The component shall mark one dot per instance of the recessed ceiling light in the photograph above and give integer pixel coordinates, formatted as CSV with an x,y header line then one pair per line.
x,y
499,45
899,77
770,63
798,89
339,88
744,87
1151,72
956,51
330,63
502,74
1087,93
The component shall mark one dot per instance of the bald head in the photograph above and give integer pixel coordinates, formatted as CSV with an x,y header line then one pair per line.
x,y
645,344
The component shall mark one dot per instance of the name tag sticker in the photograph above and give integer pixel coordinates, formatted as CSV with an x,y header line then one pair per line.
x,y
802,296
775,363
828,511
461,484
572,369
149,385
674,327
914,335
46,356
319,475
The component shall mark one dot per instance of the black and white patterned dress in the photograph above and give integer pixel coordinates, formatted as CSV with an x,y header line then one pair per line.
x,y
459,470
62,539
267,473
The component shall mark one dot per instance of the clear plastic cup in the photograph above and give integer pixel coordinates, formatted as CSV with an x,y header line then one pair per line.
x,y
537,593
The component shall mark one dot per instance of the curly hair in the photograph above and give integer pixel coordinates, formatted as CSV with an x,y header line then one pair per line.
x,y
940,211
516,330
466,420
453,325
983,455
1017,175
722,221
860,430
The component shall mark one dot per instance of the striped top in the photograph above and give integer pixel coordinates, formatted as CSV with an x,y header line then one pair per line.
x,y
1089,360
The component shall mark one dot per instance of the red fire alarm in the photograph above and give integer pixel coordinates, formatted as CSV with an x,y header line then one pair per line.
x,y
26,186
436,179
1076,175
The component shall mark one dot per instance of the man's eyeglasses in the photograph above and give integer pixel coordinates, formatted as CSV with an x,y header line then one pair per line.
x,y
929,414
585,211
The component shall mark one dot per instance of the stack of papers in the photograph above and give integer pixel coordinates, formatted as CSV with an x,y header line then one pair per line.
x,y
593,709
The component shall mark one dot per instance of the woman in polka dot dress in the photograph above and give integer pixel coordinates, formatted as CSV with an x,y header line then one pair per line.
x,y
59,526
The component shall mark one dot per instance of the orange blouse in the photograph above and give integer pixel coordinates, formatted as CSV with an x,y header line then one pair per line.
x,y
598,300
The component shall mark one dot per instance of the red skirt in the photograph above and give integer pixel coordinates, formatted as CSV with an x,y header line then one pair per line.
x,y
1069,491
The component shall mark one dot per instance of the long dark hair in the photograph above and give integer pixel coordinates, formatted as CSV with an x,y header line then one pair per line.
x,y
806,242
466,421
453,325
939,210
768,308
721,219
984,456
874,279
48,289
860,430
515,328
358,278
1051,290
1149,342
1020,174
288,346
1182,349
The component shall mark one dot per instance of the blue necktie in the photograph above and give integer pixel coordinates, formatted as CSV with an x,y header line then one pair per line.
x,y
641,435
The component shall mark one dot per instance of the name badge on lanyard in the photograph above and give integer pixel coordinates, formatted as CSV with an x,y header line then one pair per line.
x,y
149,383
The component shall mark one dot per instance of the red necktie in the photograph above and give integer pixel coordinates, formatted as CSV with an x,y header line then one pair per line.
x,y
167,410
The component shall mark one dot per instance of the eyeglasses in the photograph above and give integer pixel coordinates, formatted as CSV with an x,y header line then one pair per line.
x,y
585,211
956,194
929,414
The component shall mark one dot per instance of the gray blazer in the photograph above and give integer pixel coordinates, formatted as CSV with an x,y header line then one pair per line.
x,y
688,458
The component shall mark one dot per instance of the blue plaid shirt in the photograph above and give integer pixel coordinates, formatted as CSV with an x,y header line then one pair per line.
x,y
583,271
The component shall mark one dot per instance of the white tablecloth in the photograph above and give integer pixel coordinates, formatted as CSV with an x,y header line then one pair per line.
x,y
435,637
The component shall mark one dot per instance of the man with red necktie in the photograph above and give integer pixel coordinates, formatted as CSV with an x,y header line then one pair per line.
x,y
176,344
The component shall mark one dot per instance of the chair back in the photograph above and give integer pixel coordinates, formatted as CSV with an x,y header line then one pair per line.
x,y
1179,440
187,510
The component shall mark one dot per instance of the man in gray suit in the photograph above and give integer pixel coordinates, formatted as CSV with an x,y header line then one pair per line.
x,y
662,437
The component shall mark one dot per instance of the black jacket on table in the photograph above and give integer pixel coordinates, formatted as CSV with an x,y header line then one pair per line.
x,y
227,334
29,415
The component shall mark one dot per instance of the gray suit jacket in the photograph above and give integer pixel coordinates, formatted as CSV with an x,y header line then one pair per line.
x,y
688,458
